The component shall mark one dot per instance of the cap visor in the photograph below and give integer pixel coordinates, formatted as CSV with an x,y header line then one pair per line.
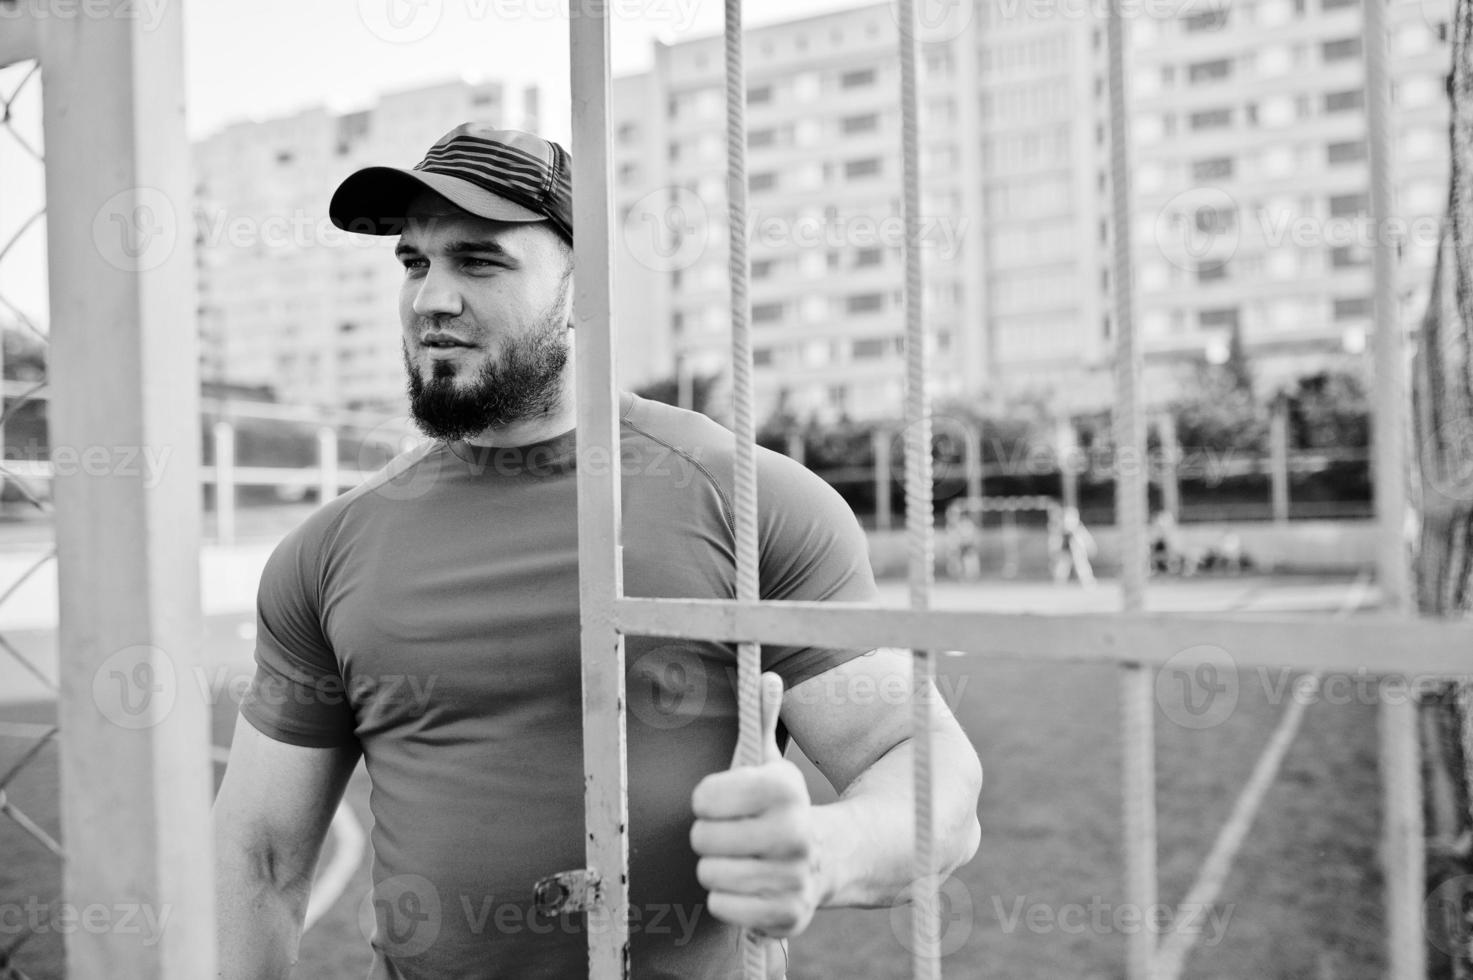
x,y
375,200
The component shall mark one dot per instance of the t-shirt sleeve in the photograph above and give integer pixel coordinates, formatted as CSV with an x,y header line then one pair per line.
x,y
811,549
297,694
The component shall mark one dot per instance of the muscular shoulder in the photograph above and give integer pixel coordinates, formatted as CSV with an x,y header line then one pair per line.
x,y
708,449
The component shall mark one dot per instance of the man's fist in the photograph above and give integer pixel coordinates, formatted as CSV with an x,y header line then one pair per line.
x,y
753,836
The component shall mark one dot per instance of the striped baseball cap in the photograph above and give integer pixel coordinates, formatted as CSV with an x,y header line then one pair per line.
x,y
501,174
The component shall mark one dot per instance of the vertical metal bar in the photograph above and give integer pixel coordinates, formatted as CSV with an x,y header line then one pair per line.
x,y
135,748
1170,466
600,557
224,441
327,464
1278,459
972,462
920,520
880,444
1403,860
1138,783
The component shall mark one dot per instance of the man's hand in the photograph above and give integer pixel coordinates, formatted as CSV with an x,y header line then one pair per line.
x,y
754,837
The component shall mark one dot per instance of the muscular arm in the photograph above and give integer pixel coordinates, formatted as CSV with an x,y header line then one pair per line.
x,y
271,815
854,723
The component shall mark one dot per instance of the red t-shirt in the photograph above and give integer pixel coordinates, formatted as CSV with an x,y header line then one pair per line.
x,y
430,616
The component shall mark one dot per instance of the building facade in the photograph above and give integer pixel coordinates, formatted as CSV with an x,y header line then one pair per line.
x,y
1249,173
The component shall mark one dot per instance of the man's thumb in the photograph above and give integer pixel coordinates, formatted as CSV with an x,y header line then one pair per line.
x,y
772,703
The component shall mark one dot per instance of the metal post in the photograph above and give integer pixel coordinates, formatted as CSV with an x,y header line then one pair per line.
x,y
1137,718
1278,458
224,439
1170,465
135,748
880,441
600,559
797,450
972,463
1402,855
327,464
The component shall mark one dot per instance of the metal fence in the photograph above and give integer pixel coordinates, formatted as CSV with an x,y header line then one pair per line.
x,y
1136,642
17,83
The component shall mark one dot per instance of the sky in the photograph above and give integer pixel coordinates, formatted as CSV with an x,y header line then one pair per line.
x,y
270,58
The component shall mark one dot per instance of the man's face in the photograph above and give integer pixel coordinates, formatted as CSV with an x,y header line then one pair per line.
x,y
485,307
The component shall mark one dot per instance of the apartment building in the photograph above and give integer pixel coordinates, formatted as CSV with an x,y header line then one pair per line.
x,y
1249,175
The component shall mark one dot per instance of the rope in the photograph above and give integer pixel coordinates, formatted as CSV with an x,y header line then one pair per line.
x,y
749,662
919,519
1138,770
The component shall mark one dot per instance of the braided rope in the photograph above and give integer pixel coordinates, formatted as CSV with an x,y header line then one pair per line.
x,y
919,519
749,662
1135,686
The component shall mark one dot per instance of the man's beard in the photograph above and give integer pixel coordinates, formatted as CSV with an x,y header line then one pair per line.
x,y
524,384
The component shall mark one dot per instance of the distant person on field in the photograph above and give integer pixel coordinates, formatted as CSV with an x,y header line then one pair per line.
x,y
1073,546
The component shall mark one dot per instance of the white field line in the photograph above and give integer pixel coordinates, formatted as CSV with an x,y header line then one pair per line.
x,y
347,853
1177,944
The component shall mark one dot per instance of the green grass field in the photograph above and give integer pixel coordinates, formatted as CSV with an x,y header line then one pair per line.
x,y
1302,900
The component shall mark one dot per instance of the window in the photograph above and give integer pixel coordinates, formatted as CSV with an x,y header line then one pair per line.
x,y
766,312
1209,20
761,95
868,167
1347,101
1354,308
1348,152
1212,168
868,256
1211,119
1349,256
1340,50
758,138
762,268
677,322
1349,205
857,78
1212,271
1209,71
1224,317
628,132
1338,4
761,356
866,123
869,349
864,302
762,182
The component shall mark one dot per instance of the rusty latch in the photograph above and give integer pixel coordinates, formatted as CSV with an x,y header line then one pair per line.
x,y
567,891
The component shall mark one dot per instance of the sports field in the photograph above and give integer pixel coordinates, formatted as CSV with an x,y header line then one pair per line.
x,y
1043,897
